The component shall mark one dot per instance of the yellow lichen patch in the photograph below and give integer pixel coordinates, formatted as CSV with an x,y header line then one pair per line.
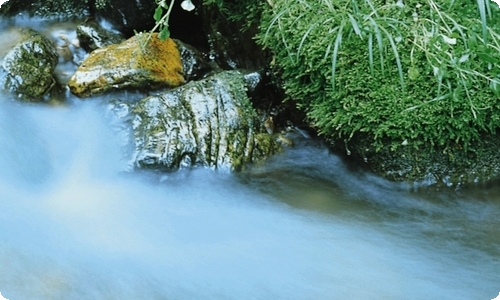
x,y
129,65
163,59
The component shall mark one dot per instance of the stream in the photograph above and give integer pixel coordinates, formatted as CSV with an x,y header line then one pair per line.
x,y
74,224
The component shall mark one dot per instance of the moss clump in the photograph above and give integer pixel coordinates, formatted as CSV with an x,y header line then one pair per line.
x,y
417,76
389,71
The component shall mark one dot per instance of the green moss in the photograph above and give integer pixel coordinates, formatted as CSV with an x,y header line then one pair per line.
x,y
423,88
29,66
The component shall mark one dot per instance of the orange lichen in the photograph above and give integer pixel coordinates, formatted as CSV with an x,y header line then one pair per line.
x,y
129,65
164,60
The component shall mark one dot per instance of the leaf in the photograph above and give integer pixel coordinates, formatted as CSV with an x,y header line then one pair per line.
x,y
486,57
448,40
158,13
495,86
355,25
164,34
413,73
464,58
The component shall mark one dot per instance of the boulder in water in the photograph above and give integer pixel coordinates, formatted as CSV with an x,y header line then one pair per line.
x,y
29,66
136,63
208,123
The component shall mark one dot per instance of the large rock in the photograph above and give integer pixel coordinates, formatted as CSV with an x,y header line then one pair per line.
x,y
131,65
29,66
208,123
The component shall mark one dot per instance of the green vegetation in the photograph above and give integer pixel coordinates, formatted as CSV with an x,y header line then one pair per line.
x,y
414,73
248,11
162,17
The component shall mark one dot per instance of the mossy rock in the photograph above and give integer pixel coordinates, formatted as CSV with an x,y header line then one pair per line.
x,y
208,123
29,66
426,166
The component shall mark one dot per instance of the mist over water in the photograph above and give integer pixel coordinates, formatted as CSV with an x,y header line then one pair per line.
x,y
76,223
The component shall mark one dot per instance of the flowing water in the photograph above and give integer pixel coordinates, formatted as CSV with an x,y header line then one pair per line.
x,y
302,225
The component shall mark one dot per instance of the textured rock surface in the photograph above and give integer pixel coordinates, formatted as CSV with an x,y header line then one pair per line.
x,y
451,167
29,66
126,15
129,65
194,64
52,9
92,36
206,123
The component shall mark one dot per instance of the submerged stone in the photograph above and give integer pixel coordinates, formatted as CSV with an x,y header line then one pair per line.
x,y
130,64
29,66
208,123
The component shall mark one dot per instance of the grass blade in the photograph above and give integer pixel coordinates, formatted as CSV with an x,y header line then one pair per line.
x,y
355,26
482,13
304,37
396,56
370,52
338,42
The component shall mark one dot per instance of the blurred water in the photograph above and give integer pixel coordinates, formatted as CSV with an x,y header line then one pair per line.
x,y
302,225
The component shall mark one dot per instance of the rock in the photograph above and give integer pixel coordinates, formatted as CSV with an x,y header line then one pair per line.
x,y
29,66
129,65
230,46
208,123
92,36
126,15
452,167
50,9
194,64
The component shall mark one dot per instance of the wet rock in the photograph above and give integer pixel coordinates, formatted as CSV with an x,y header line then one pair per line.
x,y
129,65
126,15
194,64
92,36
230,46
29,66
451,167
50,9
255,82
208,123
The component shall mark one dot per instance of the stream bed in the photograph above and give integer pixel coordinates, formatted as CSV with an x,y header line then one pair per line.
x,y
301,225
